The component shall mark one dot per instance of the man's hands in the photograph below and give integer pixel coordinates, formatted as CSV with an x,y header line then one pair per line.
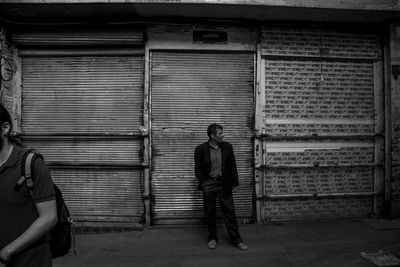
x,y
4,257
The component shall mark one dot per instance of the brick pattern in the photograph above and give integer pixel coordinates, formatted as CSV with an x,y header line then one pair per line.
x,y
309,41
322,180
310,97
316,85
327,208
321,157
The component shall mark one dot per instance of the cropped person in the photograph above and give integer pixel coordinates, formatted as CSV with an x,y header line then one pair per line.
x,y
26,216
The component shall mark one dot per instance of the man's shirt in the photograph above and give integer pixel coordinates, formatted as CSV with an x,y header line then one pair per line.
x,y
216,161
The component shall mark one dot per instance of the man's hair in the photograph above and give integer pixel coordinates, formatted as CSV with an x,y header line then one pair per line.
x,y
212,129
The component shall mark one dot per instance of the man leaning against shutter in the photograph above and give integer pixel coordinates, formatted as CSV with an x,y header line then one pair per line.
x,y
216,173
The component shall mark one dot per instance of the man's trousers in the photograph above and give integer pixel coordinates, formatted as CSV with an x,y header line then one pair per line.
x,y
212,190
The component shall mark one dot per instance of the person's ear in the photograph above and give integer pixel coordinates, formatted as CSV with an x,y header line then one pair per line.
x,y
5,128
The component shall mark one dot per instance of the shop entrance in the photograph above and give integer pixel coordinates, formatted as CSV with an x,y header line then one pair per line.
x,y
189,91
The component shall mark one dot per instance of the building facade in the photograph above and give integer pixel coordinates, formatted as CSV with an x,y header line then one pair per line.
x,y
116,96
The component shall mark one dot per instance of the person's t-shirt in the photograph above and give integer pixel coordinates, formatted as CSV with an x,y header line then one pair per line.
x,y
18,209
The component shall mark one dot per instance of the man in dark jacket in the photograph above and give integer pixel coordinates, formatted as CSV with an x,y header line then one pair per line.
x,y
215,168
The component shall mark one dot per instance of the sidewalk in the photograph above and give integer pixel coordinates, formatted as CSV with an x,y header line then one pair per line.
x,y
332,243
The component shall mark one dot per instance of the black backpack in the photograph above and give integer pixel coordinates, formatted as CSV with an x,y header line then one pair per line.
x,y
62,233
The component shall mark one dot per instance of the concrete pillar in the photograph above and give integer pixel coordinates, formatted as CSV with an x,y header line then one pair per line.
x,y
392,181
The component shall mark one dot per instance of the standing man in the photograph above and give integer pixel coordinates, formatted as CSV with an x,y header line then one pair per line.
x,y
215,168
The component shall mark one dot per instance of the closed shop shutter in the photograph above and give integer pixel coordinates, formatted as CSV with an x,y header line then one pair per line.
x,y
189,91
321,132
83,113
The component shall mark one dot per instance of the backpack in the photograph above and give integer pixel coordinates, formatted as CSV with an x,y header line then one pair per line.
x,y
61,235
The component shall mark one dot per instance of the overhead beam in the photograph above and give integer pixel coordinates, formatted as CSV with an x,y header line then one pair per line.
x,y
388,5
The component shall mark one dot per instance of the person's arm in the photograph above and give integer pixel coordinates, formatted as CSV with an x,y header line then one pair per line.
x,y
235,178
45,204
47,212
198,166
3,262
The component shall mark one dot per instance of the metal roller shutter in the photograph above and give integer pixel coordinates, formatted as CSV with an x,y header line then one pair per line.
x,y
321,134
188,92
83,113
80,36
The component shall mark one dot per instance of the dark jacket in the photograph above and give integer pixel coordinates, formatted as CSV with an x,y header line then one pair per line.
x,y
203,165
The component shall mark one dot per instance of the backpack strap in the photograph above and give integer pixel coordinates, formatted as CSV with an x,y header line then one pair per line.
x,y
28,161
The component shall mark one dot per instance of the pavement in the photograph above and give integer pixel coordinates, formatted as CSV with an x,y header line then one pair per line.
x,y
326,243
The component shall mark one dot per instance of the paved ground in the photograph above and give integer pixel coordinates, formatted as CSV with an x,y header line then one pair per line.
x,y
334,243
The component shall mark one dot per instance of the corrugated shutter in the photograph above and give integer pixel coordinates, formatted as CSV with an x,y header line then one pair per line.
x,y
320,133
73,36
190,91
88,94
84,113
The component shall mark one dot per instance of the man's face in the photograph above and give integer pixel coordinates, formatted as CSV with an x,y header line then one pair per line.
x,y
218,135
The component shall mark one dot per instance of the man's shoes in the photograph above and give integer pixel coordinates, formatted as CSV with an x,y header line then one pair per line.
x,y
212,244
242,246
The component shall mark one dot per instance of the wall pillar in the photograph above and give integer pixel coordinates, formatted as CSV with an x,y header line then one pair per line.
x,y
392,177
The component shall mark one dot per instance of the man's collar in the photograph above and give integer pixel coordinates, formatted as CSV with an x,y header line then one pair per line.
x,y
212,145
